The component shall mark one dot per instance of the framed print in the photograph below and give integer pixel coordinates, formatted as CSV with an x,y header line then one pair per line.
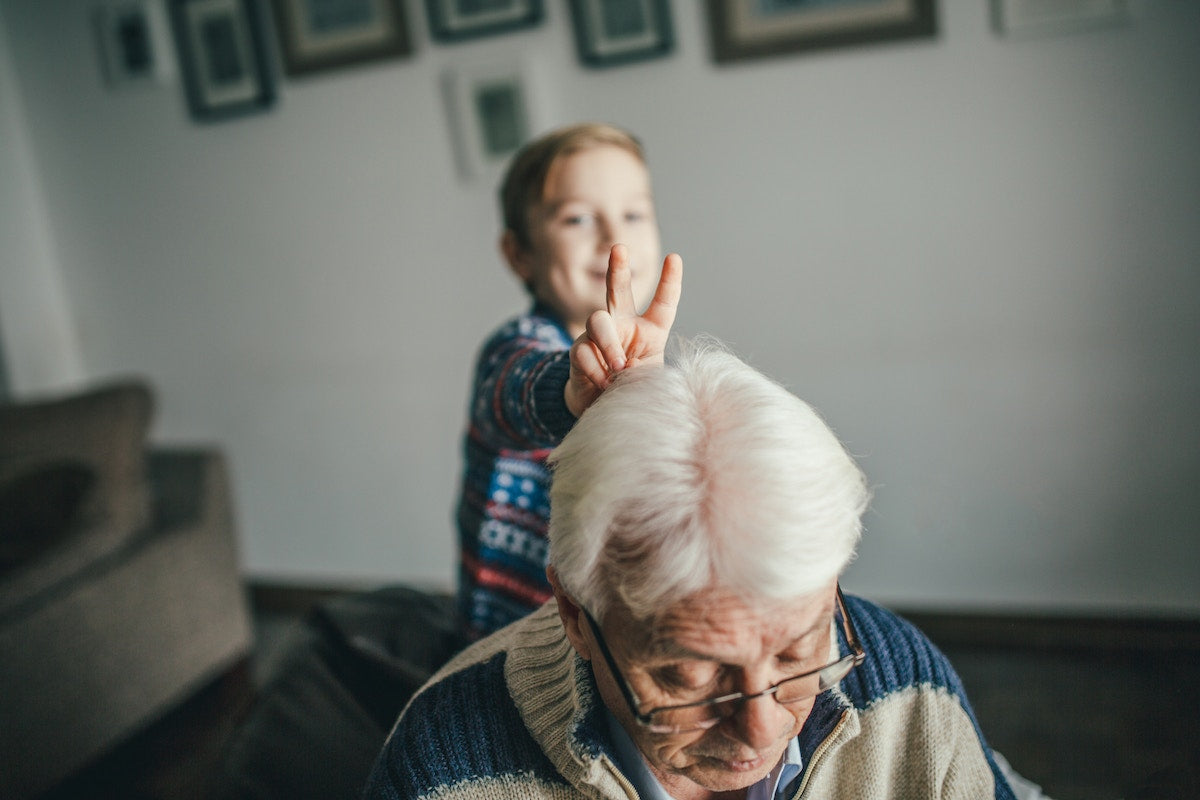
x,y
222,54
756,28
609,32
133,40
492,113
454,20
1037,17
325,34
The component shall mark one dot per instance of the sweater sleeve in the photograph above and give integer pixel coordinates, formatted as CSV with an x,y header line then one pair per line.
x,y
518,402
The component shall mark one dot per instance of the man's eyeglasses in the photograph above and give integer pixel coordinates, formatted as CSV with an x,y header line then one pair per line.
x,y
703,714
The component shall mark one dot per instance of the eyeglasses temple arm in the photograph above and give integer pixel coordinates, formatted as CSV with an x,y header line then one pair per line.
x,y
851,634
626,691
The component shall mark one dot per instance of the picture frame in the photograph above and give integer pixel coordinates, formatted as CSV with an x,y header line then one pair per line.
x,y
457,20
223,57
612,32
133,43
1020,18
746,29
318,35
493,110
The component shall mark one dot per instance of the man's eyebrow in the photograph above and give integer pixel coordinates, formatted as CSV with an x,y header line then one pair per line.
x,y
661,647
668,648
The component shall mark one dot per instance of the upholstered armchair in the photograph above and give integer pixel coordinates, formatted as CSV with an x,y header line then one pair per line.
x,y
120,592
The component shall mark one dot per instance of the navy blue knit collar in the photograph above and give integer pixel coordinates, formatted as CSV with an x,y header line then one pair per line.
x,y
826,713
542,309
591,732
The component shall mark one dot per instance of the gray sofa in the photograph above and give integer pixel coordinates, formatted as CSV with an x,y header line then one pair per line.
x,y
120,592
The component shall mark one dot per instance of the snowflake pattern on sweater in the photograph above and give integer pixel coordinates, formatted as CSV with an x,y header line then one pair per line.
x,y
517,416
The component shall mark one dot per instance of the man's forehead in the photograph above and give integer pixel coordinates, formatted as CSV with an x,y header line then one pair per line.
x,y
720,622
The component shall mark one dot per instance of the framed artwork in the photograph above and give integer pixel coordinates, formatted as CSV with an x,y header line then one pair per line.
x,y
492,113
223,57
756,28
134,43
454,20
609,32
317,35
1037,17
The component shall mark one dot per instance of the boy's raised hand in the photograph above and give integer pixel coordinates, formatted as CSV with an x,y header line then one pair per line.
x,y
618,338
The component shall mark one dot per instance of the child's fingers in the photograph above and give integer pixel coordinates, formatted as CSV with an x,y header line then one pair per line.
x,y
661,310
585,360
602,330
619,281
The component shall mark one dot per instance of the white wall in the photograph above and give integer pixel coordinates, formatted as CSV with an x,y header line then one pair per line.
x,y
41,349
976,255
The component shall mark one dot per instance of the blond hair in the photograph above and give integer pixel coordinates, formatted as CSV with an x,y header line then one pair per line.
x,y
525,179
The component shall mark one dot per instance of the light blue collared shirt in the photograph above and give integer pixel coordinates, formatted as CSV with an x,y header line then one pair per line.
x,y
629,759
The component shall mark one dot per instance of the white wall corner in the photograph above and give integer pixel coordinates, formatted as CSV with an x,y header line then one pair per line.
x,y
41,348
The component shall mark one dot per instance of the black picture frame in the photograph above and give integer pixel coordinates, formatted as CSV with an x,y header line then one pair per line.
x,y
458,20
493,110
223,56
613,32
750,29
332,34
132,43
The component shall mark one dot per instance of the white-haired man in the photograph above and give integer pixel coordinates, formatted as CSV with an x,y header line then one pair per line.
x,y
698,645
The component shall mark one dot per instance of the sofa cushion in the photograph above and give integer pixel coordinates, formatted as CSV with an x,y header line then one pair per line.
x,y
39,507
338,684
102,428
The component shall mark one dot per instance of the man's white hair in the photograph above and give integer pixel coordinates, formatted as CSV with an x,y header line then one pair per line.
x,y
700,473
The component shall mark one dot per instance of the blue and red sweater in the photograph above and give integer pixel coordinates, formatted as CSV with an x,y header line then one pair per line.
x,y
517,417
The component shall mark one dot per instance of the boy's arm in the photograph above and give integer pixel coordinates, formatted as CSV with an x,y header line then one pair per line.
x,y
517,401
528,393
619,338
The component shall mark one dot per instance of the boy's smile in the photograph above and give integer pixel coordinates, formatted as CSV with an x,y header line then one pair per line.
x,y
592,199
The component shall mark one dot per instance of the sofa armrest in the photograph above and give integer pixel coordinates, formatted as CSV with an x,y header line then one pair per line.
x,y
188,485
104,654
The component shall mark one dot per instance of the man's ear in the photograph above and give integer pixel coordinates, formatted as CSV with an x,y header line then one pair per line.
x,y
571,615
515,256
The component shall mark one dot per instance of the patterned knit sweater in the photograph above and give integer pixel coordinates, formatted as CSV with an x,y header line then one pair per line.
x,y
517,417
517,715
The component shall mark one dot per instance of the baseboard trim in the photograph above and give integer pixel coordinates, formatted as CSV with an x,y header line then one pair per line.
x,y
1057,632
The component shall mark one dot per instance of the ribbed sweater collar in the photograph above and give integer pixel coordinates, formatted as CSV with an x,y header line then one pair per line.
x,y
554,692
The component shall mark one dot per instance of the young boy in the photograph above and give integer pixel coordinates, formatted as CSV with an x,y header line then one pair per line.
x,y
581,233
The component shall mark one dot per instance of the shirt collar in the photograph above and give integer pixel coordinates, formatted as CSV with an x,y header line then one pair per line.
x,y
631,763
774,785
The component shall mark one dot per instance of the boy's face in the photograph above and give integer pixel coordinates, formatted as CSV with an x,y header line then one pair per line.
x,y
592,199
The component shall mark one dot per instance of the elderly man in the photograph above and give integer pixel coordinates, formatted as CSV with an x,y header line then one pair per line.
x,y
698,644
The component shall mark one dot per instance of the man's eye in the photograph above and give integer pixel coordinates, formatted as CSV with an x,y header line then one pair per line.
x,y
687,678
789,665
795,663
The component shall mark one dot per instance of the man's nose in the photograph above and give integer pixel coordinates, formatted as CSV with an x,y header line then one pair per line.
x,y
760,721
